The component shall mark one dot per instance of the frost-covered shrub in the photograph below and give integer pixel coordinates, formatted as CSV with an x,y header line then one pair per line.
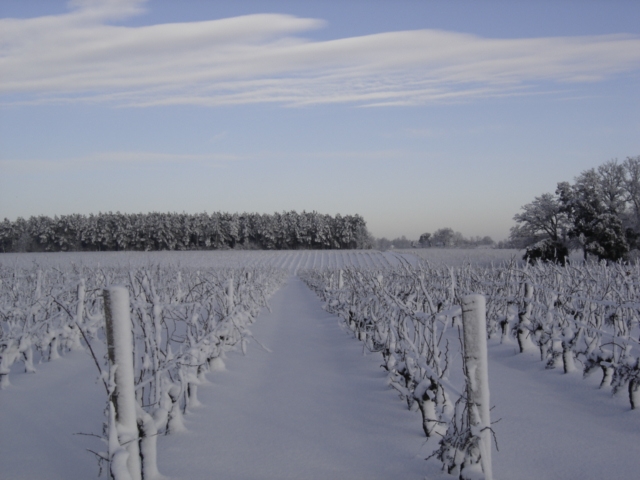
x,y
182,320
404,313
547,250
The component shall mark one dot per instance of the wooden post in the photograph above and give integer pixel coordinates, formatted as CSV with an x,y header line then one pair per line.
x,y
230,295
120,349
525,319
477,374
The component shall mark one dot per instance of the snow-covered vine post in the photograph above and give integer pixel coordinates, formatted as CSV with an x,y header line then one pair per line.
x,y
524,326
477,375
230,295
120,349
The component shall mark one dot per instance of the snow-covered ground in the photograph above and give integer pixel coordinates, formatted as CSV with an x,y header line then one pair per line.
x,y
455,257
558,426
312,407
41,415
485,257
306,402
292,260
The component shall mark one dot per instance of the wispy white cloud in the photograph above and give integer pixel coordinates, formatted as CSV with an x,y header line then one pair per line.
x,y
219,136
84,56
346,155
101,160
134,159
452,132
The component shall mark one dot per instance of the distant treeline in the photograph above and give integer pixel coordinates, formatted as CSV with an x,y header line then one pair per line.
x,y
599,213
182,231
444,237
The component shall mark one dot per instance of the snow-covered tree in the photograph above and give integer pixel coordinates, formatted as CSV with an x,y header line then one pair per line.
x,y
543,227
424,240
173,231
542,218
443,237
594,213
599,213
632,189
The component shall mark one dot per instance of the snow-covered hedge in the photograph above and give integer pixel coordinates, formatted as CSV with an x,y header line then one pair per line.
x,y
405,314
182,323
577,316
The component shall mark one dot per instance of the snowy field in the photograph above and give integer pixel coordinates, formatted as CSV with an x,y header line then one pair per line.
x,y
455,257
486,257
291,260
306,400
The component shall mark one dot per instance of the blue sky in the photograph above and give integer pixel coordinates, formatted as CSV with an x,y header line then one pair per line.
x,y
417,115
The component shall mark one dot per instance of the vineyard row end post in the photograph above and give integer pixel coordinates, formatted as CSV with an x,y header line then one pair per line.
x,y
474,326
120,350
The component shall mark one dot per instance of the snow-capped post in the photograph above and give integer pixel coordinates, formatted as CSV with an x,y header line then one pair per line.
x,y
634,387
148,437
120,350
7,357
75,335
230,295
524,326
452,290
80,309
474,326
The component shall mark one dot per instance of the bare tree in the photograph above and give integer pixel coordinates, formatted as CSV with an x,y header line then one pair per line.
x,y
540,219
424,240
595,205
443,237
632,187
611,186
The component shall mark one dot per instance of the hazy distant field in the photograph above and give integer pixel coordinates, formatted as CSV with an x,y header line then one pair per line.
x,y
456,257
460,256
292,260
297,359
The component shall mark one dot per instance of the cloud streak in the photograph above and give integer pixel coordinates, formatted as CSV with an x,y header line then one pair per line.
x,y
136,159
83,56
101,160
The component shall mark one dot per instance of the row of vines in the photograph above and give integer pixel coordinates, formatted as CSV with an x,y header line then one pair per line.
x,y
183,321
407,315
577,317
584,317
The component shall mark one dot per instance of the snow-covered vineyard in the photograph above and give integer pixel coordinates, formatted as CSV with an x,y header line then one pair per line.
x,y
316,364
291,261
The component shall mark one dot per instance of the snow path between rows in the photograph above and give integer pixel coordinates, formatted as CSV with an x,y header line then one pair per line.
x,y
41,413
557,426
317,408
313,408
